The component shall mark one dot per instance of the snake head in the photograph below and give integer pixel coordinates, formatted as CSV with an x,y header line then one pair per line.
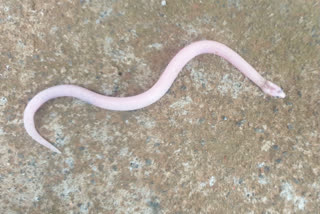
x,y
273,90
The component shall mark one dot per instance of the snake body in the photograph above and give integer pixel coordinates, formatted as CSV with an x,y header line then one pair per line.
x,y
150,96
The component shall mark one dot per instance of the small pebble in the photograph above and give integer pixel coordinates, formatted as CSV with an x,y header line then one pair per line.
x,y
163,3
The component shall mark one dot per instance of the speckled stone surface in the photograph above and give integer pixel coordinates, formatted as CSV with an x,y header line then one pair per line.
x,y
213,144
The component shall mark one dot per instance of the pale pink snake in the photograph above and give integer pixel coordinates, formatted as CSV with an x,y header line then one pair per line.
x,y
150,96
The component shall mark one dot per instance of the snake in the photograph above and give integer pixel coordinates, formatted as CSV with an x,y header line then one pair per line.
x,y
150,96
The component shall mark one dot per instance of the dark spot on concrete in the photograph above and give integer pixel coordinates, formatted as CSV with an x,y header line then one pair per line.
x,y
289,104
37,57
103,14
115,89
155,206
148,139
148,162
201,120
240,122
296,180
275,109
32,163
259,130
227,195
65,171
299,93
278,160
9,55
115,168
240,181
134,165
100,167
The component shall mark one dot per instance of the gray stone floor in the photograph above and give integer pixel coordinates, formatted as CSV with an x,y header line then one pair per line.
x,y
214,144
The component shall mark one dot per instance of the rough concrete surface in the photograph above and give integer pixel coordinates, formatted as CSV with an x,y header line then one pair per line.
x,y
213,144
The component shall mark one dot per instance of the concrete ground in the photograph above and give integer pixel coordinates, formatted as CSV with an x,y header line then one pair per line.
x,y
213,144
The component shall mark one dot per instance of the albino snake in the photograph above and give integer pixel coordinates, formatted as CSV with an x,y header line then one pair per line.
x,y
150,96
